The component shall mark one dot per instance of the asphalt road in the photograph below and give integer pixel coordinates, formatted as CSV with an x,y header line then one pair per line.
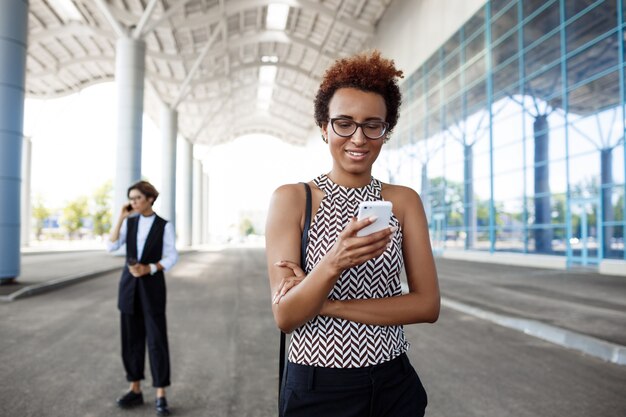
x,y
59,354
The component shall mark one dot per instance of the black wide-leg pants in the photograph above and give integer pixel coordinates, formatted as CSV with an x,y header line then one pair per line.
x,y
137,329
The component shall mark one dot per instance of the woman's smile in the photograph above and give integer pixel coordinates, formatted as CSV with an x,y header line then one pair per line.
x,y
357,154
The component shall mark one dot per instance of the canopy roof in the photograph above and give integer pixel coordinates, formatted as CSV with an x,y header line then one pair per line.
x,y
222,64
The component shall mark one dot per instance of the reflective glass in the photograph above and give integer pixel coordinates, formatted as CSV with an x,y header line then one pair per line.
x,y
504,50
530,6
504,23
593,60
475,23
506,79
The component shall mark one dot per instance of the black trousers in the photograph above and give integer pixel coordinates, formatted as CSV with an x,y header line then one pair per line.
x,y
137,329
391,389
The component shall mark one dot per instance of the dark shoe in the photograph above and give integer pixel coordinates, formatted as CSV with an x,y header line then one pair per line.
x,y
161,407
130,399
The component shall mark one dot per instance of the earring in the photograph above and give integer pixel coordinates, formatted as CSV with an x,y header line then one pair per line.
x,y
324,139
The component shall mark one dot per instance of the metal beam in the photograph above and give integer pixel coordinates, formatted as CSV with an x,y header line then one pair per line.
x,y
106,11
192,72
168,13
137,33
234,7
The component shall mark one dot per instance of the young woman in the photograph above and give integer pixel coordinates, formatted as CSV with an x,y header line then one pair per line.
x,y
150,250
347,354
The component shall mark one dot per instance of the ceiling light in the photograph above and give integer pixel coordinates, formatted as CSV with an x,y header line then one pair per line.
x,y
269,58
66,9
277,16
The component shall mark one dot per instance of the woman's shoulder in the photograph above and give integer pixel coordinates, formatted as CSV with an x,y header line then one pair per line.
x,y
406,201
399,192
288,195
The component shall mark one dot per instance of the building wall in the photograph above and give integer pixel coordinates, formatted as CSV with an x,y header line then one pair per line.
x,y
411,30
512,125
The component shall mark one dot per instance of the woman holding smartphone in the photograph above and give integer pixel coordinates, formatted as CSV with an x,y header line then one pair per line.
x,y
346,311
150,250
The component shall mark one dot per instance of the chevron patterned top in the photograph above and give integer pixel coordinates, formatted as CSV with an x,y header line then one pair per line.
x,y
339,343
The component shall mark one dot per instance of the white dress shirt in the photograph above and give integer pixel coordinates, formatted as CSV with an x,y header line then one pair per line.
x,y
170,254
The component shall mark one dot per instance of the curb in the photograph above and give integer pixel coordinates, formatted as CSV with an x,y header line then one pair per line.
x,y
66,281
609,352
55,283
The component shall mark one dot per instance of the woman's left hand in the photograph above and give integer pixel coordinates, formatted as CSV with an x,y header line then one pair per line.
x,y
288,283
139,270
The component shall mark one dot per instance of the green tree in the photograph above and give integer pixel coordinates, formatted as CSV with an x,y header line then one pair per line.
x,y
74,214
449,199
245,227
102,209
40,213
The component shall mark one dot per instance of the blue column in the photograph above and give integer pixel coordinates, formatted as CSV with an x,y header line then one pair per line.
x,y
129,79
489,92
622,94
13,46
469,214
543,218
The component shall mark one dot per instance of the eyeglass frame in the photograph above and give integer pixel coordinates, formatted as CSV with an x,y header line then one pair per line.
x,y
359,125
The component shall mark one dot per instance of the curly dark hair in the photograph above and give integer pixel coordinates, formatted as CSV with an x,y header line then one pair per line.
x,y
145,188
367,72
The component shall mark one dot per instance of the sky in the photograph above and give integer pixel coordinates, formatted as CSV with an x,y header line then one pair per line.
x,y
73,153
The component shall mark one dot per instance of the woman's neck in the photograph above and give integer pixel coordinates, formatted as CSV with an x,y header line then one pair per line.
x,y
348,180
147,212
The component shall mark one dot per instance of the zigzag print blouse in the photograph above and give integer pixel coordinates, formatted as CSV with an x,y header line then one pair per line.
x,y
339,343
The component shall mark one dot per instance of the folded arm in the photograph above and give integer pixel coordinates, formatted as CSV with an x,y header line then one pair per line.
x,y
283,231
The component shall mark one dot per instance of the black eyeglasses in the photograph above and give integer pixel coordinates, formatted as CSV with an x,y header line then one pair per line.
x,y
372,129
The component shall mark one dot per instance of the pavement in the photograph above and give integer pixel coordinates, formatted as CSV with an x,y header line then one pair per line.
x,y
564,355
578,309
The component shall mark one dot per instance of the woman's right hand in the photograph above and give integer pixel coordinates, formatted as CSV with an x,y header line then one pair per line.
x,y
124,212
351,250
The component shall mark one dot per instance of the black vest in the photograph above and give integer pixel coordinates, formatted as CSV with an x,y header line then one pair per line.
x,y
146,293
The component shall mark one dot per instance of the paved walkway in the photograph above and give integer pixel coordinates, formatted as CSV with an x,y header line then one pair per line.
x,y
59,350
578,309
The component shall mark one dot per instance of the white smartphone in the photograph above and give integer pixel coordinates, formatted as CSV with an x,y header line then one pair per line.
x,y
380,209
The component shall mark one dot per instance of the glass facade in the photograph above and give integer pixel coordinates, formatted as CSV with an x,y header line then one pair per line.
x,y
513,131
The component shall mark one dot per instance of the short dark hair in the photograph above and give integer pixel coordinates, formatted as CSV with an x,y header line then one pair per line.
x,y
145,188
366,72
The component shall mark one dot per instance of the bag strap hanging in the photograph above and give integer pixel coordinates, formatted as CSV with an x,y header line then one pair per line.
x,y
303,245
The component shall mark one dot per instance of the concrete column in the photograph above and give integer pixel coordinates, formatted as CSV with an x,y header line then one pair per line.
x,y
196,223
543,213
186,175
13,46
205,208
27,146
169,131
129,79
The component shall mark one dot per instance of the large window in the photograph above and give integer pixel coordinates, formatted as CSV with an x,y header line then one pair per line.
x,y
522,151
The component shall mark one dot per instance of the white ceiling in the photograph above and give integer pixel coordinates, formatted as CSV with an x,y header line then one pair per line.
x,y
226,40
